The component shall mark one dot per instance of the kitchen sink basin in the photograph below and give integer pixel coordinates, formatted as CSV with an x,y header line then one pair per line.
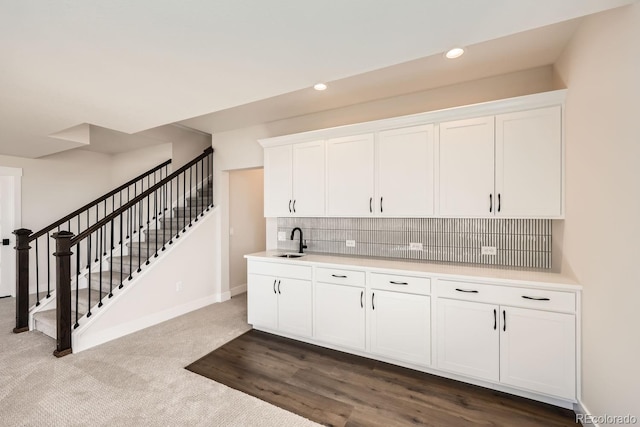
x,y
289,255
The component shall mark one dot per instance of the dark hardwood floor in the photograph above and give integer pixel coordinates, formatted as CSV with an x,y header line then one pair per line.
x,y
339,389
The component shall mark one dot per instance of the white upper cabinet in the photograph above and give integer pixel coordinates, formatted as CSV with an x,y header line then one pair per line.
x,y
529,163
404,172
350,176
294,180
466,161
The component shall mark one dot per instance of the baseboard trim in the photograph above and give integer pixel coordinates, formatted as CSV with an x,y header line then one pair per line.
x,y
237,290
224,296
583,413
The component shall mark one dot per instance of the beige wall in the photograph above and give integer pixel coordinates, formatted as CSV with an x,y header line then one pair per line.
x,y
601,233
246,221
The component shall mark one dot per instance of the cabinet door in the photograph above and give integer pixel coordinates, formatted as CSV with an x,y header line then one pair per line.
x,y
466,161
294,306
350,179
529,163
339,315
262,301
468,338
308,179
278,176
401,326
537,351
404,172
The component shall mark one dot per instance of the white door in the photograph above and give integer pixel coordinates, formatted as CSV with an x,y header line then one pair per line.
x,y
278,164
339,315
10,180
294,306
466,161
537,351
308,179
350,176
401,326
468,338
529,163
262,301
405,172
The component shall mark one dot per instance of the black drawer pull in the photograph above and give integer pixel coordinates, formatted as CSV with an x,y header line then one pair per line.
x,y
373,301
361,301
289,206
469,291
495,319
504,320
397,283
339,276
536,299
274,286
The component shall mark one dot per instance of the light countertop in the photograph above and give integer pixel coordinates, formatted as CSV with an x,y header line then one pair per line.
x,y
488,274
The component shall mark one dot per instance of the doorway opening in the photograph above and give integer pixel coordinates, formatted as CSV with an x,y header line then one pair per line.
x,y
10,202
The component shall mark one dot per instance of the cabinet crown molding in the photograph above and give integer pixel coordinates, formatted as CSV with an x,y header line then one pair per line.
x,y
520,103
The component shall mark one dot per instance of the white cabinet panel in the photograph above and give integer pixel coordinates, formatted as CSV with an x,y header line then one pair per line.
x,y
262,301
401,326
537,351
405,172
350,176
529,163
468,338
278,176
339,315
308,179
294,306
466,162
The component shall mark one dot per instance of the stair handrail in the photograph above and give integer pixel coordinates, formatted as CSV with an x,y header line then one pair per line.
x,y
65,241
97,201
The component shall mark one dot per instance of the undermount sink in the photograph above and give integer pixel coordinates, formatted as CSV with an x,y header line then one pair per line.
x,y
289,255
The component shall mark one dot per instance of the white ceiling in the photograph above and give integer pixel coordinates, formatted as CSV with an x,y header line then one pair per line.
x,y
135,65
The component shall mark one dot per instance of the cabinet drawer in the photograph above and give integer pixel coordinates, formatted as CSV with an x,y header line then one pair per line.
x,y
277,269
339,276
407,284
469,291
541,299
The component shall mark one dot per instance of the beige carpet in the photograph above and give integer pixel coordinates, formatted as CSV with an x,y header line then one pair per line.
x,y
137,380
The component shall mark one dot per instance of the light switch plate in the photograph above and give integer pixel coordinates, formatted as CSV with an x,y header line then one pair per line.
x,y
415,246
489,250
282,236
351,243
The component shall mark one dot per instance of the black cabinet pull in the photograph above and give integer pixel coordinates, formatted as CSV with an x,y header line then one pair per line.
x,y
469,291
490,202
361,301
370,204
380,204
504,320
498,202
289,206
397,283
535,299
274,285
278,286
294,206
339,276
495,319
373,304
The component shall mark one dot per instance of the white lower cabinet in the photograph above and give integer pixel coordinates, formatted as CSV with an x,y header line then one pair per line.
x,y
400,326
339,315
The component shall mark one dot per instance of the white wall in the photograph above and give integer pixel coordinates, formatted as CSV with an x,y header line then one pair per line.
x,y
186,146
246,223
132,163
601,233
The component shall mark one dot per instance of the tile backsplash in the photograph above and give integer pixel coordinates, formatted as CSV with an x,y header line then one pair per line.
x,y
518,242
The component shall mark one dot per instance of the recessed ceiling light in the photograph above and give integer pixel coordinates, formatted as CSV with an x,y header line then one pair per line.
x,y
456,52
320,86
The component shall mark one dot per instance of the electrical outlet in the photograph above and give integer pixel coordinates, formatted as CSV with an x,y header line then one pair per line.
x,y
351,243
178,286
415,246
282,236
489,250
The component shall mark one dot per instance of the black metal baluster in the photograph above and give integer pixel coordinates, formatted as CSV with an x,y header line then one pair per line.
x,y
100,272
139,248
97,241
111,264
128,215
135,193
121,256
204,186
197,207
88,254
89,279
184,201
191,195
129,251
155,200
38,274
77,282
166,174
104,242
48,270
172,211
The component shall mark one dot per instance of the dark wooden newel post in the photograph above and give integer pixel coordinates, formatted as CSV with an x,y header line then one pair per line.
x,y
22,280
63,292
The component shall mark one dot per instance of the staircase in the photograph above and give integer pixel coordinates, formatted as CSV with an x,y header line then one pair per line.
x,y
106,256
